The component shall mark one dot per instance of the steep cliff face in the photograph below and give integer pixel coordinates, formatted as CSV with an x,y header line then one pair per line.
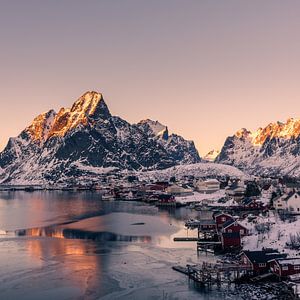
x,y
87,139
273,150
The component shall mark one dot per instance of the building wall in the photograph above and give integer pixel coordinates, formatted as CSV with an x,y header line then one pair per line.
x,y
236,228
230,242
293,204
220,220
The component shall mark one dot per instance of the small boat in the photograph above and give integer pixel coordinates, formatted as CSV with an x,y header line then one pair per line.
x,y
108,197
131,197
192,223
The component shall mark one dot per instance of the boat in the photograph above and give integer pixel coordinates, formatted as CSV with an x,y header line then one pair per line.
x,y
131,197
108,197
192,223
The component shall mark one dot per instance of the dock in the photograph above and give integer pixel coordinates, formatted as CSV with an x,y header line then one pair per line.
x,y
208,275
185,239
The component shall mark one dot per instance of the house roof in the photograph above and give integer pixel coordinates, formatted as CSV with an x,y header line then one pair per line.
x,y
207,222
247,201
263,256
286,197
235,186
228,223
288,261
223,214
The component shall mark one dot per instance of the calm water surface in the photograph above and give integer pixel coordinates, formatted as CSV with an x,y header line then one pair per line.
x,y
64,245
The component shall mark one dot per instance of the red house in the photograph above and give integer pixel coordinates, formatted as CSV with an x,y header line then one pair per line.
x,y
231,240
222,218
251,204
259,261
284,267
207,225
233,226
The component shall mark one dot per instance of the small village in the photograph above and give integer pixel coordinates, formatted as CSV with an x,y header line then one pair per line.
x,y
250,225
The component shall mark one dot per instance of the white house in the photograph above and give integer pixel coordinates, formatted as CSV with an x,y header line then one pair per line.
x,y
178,190
289,202
208,186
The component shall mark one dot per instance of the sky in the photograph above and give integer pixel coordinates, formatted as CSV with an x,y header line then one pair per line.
x,y
204,68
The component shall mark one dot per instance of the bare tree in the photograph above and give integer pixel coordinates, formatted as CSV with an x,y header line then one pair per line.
x,y
294,242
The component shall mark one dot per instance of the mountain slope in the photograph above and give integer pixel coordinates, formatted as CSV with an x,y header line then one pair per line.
x,y
199,170
211,155
272,150
87,139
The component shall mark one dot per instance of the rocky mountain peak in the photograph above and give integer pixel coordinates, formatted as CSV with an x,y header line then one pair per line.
x,y
85,141
41,126
273,149
157,129
90,105
211,155
288,130
242,133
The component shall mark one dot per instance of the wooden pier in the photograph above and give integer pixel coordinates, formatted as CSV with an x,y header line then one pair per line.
x,y
208,275
185,239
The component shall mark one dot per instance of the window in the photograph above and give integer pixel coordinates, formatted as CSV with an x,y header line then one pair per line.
x,y
285,268
229,231
296,267
242,231
261,265
223,219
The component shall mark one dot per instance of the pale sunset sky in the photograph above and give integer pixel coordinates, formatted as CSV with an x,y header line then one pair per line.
x,y
204,68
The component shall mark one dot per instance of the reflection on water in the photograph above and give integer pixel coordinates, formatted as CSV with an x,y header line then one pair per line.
x,y
57,232
41,208
75,246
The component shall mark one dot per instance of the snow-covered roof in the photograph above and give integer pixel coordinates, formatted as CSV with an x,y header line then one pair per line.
x,y
289,261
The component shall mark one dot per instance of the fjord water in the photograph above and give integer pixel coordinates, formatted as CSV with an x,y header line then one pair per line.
x,y
62,245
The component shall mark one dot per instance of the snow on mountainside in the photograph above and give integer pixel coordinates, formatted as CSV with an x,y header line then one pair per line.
x,y
211,155
197,170
87,139
273,150
157,128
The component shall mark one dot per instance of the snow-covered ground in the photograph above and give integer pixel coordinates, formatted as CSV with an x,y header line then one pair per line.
x,y
276,237
96,170
201,198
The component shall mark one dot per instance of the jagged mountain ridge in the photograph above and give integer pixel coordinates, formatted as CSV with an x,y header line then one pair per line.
x,y
272,150
211,155
86,138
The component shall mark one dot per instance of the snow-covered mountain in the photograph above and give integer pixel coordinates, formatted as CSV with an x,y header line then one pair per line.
x,y
272,150
87,139
211,155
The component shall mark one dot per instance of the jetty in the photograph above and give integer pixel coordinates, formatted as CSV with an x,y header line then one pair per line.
x,y
208,275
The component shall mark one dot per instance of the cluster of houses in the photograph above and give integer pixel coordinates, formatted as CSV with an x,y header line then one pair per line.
x,y
227,228
266,261
289,202
270,261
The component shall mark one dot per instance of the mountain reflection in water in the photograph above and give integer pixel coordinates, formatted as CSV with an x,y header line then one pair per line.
x,y
75,246
66,233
